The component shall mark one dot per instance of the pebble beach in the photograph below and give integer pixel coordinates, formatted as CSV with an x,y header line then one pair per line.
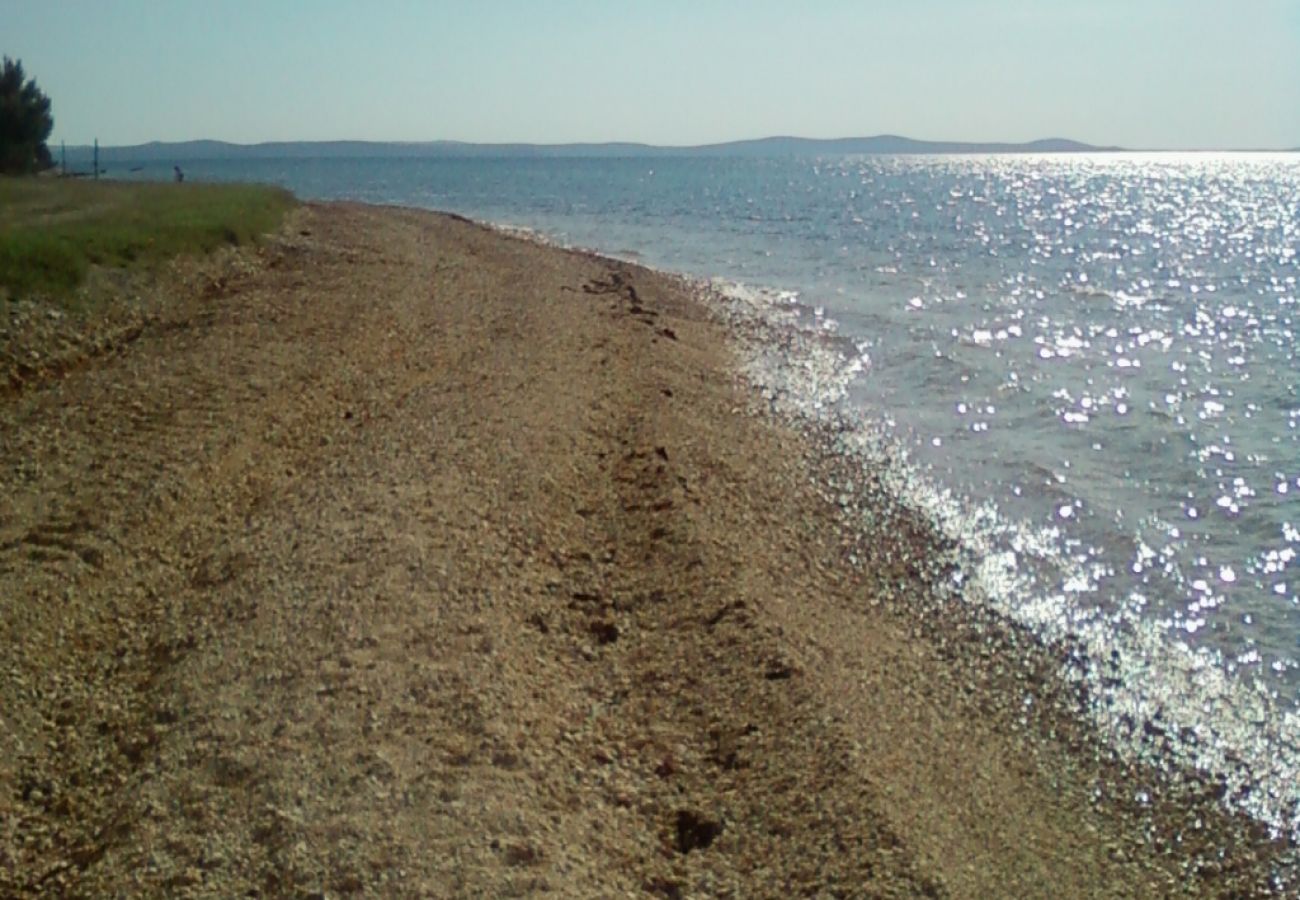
x,y
397,555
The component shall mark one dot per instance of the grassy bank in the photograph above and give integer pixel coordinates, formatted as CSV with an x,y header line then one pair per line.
x,y
53,230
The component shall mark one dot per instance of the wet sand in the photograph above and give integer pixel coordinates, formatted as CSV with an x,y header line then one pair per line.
x,y
398,556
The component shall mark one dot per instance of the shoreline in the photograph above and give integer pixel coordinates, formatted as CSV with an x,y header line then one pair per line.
x,y
565,592
1161,726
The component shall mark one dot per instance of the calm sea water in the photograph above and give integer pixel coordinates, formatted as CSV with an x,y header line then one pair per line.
x,y
1090,360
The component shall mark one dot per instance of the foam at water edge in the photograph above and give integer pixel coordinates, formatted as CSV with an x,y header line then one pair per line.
x,y
1142,683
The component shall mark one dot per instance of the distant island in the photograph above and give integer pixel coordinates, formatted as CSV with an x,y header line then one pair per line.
x,y
884,144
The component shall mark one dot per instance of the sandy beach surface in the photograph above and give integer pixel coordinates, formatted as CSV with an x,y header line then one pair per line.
x,y
397,556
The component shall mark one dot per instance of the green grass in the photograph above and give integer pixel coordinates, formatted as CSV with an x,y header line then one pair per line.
x,y
53,230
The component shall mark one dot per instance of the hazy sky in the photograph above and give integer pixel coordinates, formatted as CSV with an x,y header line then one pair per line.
x,y
1141,73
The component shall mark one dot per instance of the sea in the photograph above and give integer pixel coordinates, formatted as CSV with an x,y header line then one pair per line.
x,y
1084,367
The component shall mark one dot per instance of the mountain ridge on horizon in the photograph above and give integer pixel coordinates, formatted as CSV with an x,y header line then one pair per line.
x,y
779,145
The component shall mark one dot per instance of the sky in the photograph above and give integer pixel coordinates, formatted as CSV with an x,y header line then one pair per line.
x,y
1174,74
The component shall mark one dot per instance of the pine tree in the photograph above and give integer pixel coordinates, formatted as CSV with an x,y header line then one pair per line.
x,y
25,122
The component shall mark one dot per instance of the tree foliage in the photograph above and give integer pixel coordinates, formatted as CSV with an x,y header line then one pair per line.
x,y
25,122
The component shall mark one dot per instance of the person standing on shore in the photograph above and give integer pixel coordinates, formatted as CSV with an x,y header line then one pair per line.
x,y
180,176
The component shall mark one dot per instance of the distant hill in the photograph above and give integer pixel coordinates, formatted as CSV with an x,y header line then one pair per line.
x,y
889,144
771,146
